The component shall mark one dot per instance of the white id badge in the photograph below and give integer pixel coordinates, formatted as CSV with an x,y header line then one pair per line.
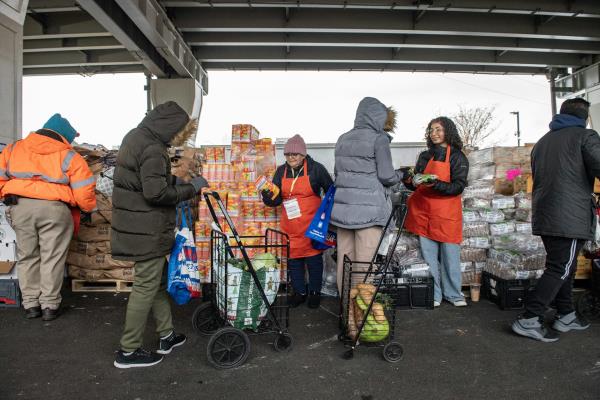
x,y
292,208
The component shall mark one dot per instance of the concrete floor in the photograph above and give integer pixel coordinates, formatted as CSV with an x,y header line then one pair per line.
x,y
449,353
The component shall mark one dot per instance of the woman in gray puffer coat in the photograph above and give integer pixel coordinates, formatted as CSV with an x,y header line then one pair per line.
x,y
364,174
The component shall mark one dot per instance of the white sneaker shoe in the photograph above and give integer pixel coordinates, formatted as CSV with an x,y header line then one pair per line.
x,y
436,303
459,303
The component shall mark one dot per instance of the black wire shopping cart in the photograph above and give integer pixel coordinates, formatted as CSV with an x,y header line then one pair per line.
x,y
370,293
244,297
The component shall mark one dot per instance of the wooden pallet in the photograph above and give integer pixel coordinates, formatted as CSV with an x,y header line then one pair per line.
x,y
101,285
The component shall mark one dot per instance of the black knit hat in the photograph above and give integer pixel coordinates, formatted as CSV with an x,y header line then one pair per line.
x,y
577,107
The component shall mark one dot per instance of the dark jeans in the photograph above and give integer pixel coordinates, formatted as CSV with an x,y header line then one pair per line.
x,y
314,265
557,281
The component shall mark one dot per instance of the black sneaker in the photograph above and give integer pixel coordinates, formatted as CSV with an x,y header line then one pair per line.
x,y
137,359
533,328
314,300
297,299
167,344
33,312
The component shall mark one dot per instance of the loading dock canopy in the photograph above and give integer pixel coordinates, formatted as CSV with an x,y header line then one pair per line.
x,y
166,38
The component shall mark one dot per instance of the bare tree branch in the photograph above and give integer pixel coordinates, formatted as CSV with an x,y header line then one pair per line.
x,y
475,124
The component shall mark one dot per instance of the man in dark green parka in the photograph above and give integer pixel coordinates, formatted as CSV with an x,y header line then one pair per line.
x,y
144,212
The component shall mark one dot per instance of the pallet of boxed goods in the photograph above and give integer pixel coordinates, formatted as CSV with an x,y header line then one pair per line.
x,y
101,285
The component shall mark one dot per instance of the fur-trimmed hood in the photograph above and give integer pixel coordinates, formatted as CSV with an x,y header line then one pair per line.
x,y
372,113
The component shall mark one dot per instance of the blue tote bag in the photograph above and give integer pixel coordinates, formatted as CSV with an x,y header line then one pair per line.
x,y
322,237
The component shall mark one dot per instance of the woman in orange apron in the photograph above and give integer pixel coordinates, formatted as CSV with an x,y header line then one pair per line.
x,y
301,180
435,208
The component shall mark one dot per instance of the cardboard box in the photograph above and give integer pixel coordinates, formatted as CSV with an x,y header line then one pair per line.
x,y
597,185
8,251
584,268
7,234
6,266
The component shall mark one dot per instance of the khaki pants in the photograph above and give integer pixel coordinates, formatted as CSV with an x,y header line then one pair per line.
x,y
358,245
149,292
44,230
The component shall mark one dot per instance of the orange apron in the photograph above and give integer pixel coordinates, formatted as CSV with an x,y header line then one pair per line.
x,y
300,189
431,214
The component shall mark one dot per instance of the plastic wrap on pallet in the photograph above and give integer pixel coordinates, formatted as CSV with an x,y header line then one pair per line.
x,y
407,242
507,271
473,229
523,200
481,172
479,190
478,242
471,216
523,227
468,254
484,156
491,215
502,202
502,228
477,203
523,215
509,213
533,260
517,242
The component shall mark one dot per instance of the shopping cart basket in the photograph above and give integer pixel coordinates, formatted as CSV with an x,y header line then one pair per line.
x,y
244,298
370,291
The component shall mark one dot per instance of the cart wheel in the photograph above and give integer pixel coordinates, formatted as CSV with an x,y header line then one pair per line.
x,y
393,352
228,348
348,355
588,305
283,342
205,320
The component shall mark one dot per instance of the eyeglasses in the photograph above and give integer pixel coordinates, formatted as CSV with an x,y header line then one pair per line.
x,y
292,155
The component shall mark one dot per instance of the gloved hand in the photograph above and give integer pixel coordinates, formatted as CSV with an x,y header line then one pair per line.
x,y
199,183
267,195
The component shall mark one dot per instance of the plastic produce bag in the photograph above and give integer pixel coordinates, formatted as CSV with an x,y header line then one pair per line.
x,y
517,242
471,216
477,203
502,228
523,215
591,248
183,282
502,202
523,200
407,242
491,216
329,287
468,254
473,229
479,190
509,213
478,242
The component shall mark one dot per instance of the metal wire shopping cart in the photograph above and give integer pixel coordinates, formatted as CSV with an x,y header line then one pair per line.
x,y
370,291
245,297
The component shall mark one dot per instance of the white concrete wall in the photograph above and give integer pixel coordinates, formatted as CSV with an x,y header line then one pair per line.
x,y
12,14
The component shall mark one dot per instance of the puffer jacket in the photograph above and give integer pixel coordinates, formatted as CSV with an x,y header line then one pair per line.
x,y
144,197
564,163
45,166
363,170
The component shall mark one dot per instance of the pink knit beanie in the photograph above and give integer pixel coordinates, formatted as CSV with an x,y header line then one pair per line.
x,y
295,144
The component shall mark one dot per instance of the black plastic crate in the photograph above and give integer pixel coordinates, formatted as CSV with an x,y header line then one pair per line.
x,y
412,293
507,294
10,295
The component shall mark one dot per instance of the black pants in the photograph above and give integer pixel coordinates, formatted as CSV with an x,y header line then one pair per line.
x,y
557,281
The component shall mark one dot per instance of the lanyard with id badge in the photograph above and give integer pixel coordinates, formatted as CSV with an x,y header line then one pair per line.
x,y
292,208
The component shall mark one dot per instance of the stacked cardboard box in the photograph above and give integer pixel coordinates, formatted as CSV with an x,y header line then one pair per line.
x,y
89,255
492,165
250,157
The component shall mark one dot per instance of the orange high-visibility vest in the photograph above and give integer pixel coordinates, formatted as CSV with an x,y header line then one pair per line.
x,y
40,167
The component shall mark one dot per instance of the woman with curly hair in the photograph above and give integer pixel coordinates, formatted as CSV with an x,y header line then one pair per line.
x,y
435,209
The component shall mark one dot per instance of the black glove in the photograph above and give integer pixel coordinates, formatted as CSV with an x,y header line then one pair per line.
x,y
267,195
199,183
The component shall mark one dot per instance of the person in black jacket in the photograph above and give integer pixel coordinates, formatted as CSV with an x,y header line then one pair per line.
x,y
435,209
564,164
301,182
144,206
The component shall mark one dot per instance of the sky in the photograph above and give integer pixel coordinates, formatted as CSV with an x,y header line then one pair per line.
x,y
318,105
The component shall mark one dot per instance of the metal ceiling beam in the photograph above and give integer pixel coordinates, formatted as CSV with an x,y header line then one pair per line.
x,y
384,22
63,24
86,70
151,19
237,39
377,55
578,9
78,58
82,44
316,66
52,6
112,17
